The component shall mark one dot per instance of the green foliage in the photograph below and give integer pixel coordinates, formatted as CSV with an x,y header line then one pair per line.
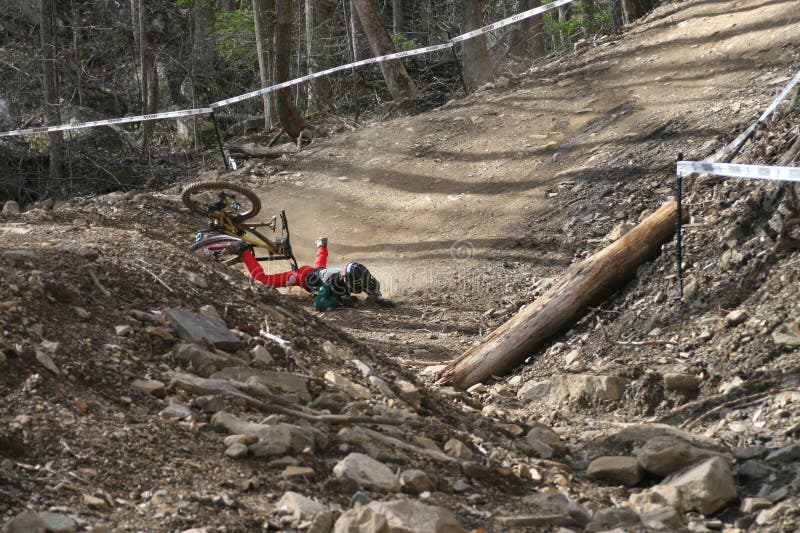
x,y
234,33
577,21
403,43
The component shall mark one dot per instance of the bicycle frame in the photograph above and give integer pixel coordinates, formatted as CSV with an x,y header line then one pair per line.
x,y
280,249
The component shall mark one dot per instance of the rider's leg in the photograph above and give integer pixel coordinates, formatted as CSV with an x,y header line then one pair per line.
x,y
321,261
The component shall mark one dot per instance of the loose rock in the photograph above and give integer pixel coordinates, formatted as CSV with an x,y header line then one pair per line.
x,y
398,516
706,487
616,469
367,473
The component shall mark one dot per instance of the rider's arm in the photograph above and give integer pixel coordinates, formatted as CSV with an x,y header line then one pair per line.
x,y
282,279
321,261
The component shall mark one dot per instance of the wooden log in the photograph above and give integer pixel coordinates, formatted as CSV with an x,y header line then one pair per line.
x,y
254,150
583,285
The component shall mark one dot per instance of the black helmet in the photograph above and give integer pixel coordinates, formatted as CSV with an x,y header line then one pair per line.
x,y
359,279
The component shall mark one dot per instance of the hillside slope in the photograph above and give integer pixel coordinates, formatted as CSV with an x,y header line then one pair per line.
x,y
466,213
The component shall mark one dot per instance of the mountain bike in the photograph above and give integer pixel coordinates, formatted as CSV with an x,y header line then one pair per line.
x,y
228,207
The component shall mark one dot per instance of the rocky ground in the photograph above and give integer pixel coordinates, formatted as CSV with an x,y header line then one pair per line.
x,y
146,389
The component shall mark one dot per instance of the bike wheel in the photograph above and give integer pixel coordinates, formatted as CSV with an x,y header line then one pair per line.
x,y
208,198
214,249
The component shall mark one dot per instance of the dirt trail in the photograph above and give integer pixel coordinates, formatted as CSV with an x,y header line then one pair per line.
x,y
438,203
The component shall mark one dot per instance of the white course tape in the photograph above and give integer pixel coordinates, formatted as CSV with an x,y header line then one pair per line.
x,y
389,57
510,20
108,122
779,98
379,59
756,172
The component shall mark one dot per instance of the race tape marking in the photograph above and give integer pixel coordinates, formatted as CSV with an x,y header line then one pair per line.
x,y
755,172
779,98
510,20
108,122
296,81
389,57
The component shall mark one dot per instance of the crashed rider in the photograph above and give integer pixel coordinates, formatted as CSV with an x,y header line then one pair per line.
x,y
331,287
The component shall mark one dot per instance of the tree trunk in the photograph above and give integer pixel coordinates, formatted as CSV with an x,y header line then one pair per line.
x,y
51,94
317,32
76,56
627,11
585,284
263,42
588,18
400,84
477,63
291,121
148,82
538,43
563,16
397,17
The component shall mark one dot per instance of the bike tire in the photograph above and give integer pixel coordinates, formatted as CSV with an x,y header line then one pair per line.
x,y
211,186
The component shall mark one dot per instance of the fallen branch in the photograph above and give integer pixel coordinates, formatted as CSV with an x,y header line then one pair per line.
x,y
98,284
689,424
397,443
155,276
254,150
584,285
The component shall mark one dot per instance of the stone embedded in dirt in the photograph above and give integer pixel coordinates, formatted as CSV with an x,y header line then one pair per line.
x,y
427,443
11,208
773,514
461,486
297,471
415,482
46,361
195,279
321,523
162,333
236,450
354,390
534,390
57,522
210,311
123,330
567,512
367,473
459,450
621,470
261,357
408,392
150,386
176,411
575,387
785,455
382,386
25,522
656,497
685,384
663,518
543,442
736,317
210,403
94,502
611,518
787,336
195,328
664,455
643,432
203,361
285,381
753,505
362,367
299,506
754,469
706,487
397,516
750,452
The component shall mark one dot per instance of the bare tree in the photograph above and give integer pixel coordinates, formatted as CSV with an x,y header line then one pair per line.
x,y
400,84
527,38
477,63
262,11
148,80
397,17
318,15
50,90
291,121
